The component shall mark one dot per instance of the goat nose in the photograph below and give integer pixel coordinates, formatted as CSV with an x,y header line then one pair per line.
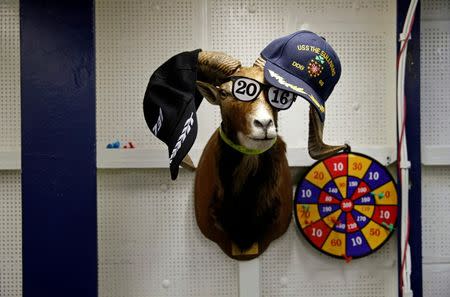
x,y
263,123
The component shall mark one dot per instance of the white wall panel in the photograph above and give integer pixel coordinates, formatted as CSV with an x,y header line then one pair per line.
x,y
435,212
10,181
9,75
435,234
435,90
148,235
436,280
9,85
292,267
132,39
360,110
435,10
435,103
10,234
149,244
435,139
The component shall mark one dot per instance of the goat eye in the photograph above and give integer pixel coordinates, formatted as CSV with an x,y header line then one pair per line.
x,y
223,93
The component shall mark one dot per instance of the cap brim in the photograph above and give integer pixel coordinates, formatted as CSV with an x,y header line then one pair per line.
x,y
183,138
284,80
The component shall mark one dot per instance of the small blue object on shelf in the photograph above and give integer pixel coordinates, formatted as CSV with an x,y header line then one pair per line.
x,y
113,145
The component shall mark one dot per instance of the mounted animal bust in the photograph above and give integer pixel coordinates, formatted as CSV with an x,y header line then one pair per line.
x,y
243,188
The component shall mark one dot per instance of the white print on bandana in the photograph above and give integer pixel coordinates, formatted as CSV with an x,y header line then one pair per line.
x,y
186,129
158,124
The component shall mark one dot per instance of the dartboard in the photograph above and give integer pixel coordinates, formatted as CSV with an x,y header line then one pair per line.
x,y
346,205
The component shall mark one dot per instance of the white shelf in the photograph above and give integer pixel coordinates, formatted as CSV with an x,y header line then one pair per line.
x,y
132,158
428,259
435,155
299,157
10,160
159,158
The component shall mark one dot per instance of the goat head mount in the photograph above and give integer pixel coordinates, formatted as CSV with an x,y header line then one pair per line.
x,y
243,187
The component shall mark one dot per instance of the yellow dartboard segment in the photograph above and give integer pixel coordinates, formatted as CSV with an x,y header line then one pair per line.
x,y
331,219
335,244
386,194
357,165
307,214
341,183
375,234
366,210
319,176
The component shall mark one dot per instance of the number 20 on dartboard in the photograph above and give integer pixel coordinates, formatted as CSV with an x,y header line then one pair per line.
x,y
318,175
346,205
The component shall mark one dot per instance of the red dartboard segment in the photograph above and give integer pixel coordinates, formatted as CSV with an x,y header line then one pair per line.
x,y
326,198
361,190
385,213
317,233
351,224
337,166
355,204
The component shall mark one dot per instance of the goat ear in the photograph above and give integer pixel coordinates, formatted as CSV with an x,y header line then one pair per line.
x,y
209,91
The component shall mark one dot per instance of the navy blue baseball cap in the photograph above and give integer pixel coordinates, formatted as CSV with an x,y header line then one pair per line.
x,y
305,64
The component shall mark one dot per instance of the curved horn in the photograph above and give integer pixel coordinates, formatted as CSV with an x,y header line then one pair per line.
x,y
316,147
214,67
260,62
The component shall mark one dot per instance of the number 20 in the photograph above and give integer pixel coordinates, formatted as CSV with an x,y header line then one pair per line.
x,y
318,175
244,88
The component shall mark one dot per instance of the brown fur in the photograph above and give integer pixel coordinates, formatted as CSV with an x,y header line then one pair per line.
x,y
209,195
232,188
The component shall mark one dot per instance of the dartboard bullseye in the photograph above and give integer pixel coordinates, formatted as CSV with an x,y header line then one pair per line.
x,y
346,205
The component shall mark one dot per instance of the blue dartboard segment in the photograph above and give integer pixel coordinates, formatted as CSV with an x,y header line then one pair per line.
x,y
307,194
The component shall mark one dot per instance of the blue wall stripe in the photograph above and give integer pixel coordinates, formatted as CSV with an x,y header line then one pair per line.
x,y
58,148
412,93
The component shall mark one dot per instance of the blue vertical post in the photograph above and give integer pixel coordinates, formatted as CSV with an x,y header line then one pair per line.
x,y
58,148
412,93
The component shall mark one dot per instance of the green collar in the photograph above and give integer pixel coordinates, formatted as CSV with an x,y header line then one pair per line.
x,y
243,149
